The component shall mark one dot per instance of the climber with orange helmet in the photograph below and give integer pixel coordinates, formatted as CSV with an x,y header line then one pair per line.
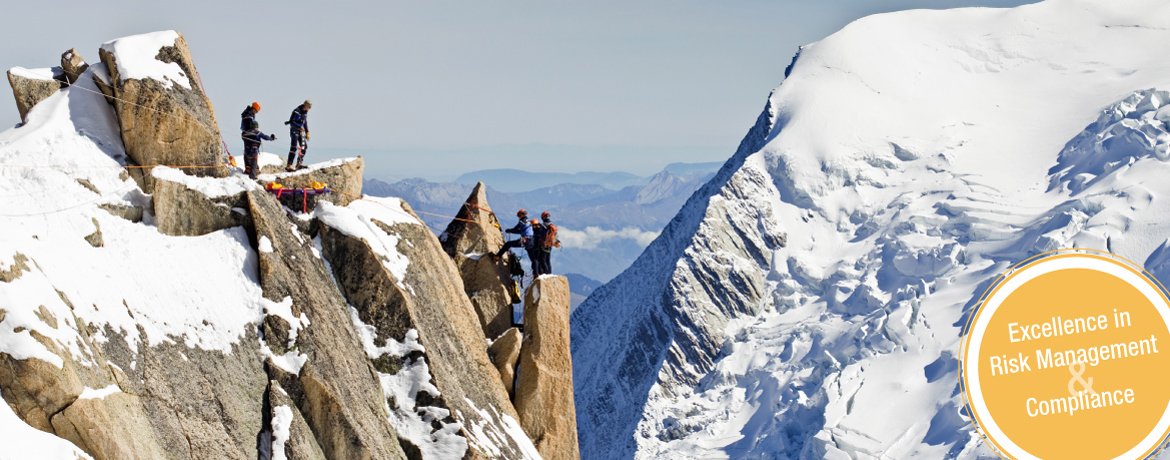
x,y
252,139
543,241
522,228
249,115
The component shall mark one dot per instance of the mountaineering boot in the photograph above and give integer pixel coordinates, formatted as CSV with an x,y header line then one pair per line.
x,y
300,166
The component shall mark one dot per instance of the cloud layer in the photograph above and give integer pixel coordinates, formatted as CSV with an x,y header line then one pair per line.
x,y
591,237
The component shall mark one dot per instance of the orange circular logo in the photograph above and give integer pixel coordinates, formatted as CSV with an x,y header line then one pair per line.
x,y
1064,356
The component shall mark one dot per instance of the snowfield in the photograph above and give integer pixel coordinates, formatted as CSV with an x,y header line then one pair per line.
x,y
808,301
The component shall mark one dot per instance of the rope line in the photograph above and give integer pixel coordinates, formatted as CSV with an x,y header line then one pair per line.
x,y
185,111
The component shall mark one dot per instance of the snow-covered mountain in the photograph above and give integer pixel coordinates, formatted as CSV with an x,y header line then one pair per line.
x,y
158,303
807,301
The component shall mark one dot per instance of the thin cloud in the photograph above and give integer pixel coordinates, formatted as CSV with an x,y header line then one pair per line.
x,y
592,237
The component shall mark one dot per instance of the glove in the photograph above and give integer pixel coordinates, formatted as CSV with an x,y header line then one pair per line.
x,y
273,137
308,136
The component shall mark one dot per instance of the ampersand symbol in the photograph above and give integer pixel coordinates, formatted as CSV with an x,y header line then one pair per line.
x,y
1078,371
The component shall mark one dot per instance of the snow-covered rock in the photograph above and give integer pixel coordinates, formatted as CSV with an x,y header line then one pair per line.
x,y
421,331
120,340
164,115
31,86
808,301
186,205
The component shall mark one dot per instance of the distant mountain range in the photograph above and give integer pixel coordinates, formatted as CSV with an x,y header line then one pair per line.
x,y
515,180
606,219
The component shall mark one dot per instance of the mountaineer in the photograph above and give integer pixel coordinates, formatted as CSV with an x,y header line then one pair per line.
x,y
298,131
252,139
523,228
249,115
544,240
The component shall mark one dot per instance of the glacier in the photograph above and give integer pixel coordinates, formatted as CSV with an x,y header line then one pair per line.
x,y
808,301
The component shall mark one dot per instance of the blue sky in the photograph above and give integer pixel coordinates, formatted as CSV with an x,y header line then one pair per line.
x,y
438,88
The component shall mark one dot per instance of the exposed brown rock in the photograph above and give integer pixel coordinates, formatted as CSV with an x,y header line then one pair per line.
x,y
85,423
504,353
472,239
72,65
344,178
166,123
101,79
130,213
300,445
475,230
95,239
184,402
544,393
18,267
30,91
182,211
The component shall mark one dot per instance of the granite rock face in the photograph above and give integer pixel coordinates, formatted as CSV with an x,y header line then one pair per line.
x,y
472,239
505,353
407,293
544,393
164,115
31,86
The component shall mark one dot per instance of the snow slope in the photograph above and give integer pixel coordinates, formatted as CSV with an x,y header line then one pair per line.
x,y
56,173
807,301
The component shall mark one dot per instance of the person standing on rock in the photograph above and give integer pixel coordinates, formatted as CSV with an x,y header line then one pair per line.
x,y
544,240
522,228
536,253
248,116
298,131
252,139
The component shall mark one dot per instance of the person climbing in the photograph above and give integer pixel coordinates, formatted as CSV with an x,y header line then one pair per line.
x,y
252,139
298,131
248,116
533,248
522,228
545,240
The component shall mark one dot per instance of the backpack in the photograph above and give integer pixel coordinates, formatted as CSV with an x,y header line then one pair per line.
x,y
550,237
246,118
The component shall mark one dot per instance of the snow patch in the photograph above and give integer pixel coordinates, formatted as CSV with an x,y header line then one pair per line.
x,y
282,419
291,361
45,73
494,430
358,219
212,187
413,422
100,393
136,57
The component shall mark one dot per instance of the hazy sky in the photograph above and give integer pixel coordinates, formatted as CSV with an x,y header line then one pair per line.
x,y
437,88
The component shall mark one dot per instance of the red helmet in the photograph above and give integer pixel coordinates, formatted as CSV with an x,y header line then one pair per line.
x,y
535,222
521,213
255,106
545,216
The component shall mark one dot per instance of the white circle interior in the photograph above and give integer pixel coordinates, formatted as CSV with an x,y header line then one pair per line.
x,y
1028,273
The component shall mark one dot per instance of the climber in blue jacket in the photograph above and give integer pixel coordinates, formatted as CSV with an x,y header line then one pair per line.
x,y
298,131
522,228
252,139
